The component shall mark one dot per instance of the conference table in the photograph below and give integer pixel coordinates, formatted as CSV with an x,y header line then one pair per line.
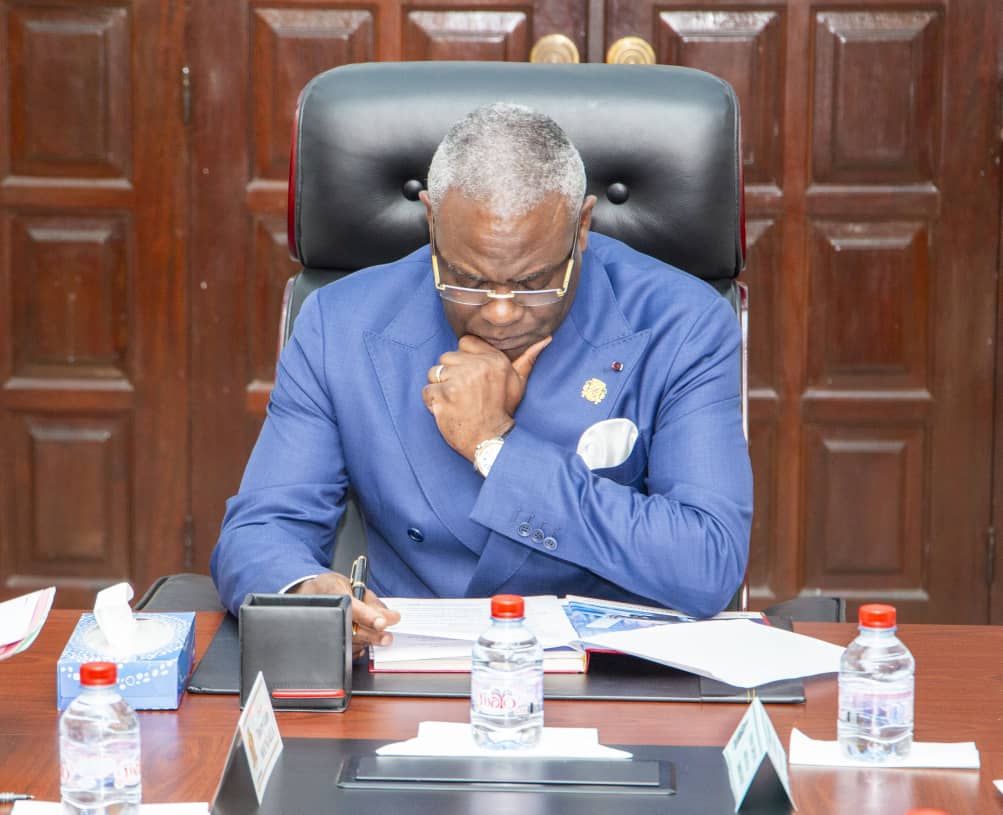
x,y
959,697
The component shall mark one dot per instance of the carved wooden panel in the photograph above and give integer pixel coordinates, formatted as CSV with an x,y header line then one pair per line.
x,y
877,84
764,239
69,280
762,544
94,315
290,46
868,306
467,35
746,48
70,86
864,524
81,529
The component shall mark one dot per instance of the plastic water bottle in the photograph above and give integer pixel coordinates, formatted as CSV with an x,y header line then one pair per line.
x,y
876,690
506,679
99,766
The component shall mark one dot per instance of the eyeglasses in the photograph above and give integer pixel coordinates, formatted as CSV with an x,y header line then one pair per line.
x,y
481,297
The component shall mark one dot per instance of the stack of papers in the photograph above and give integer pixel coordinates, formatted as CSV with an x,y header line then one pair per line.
x,y
438,635
21,619
738,652
736,648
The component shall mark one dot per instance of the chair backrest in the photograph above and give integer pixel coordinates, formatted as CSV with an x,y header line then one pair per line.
x,y
660,144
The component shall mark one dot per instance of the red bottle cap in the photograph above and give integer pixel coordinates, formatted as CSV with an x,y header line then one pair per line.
x,y
98,674
507,606
877,615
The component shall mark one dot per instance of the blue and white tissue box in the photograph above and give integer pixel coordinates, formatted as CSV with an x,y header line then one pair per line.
x,y
153,669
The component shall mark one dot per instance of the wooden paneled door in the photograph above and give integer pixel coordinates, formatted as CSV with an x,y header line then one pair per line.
x,y
873,196
93,306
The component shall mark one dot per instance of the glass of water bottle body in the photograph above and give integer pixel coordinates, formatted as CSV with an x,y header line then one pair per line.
x,y
99,748
506,679
876,690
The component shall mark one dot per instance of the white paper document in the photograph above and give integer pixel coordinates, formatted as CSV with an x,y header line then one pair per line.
x,y
467,618
999,785
55,808
21,619
738,652
456,739
957,755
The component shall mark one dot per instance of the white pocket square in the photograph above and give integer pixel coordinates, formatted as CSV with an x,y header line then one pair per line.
x,y
607,443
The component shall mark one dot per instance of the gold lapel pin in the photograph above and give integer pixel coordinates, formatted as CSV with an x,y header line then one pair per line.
x,y
594,390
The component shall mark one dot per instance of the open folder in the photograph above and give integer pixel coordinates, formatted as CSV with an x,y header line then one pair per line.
x,y
436,635
611,676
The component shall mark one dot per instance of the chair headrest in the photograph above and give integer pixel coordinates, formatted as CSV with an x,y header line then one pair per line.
x,y
660,146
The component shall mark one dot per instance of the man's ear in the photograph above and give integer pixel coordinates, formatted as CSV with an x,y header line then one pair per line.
x,y
585,222
423,196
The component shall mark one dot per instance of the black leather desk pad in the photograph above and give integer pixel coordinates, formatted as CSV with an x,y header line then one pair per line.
x,y
616,677
306,782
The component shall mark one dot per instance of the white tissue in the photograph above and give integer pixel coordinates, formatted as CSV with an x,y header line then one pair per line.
x,y
114,617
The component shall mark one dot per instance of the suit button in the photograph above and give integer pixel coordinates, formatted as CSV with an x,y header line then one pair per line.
x,y
550,543
538,535
524,529
415,534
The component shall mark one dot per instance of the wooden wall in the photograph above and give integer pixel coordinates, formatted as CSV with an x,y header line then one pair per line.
x,y
143,161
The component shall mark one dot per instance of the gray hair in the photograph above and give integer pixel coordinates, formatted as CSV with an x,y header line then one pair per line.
x,y
509,157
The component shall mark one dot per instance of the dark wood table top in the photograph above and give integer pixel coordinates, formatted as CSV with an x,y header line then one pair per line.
x,y
959,697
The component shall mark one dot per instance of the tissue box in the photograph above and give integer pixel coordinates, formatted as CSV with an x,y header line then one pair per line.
x,y
151,675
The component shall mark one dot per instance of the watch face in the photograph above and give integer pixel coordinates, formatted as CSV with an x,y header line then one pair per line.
x,y
486,454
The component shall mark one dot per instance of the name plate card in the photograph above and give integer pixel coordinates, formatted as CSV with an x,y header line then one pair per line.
x,y
260,734
753,740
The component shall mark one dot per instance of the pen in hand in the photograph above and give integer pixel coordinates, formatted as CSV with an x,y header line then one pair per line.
x,y
360,567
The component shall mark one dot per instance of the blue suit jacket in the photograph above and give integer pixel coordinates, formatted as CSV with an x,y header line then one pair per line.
x,y
670,525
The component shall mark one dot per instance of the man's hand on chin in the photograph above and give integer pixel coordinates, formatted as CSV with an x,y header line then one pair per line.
x,y
474,391
370,617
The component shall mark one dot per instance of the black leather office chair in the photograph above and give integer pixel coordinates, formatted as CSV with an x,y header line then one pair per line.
x,y
660,146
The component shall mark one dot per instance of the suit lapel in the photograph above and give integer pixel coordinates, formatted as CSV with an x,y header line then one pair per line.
x,y
401,356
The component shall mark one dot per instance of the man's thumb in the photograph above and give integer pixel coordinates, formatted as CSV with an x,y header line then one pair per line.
x,y
524,363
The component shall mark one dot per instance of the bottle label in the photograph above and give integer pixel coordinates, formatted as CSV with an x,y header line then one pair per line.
x,y
506,695
87,767
126,774
872,705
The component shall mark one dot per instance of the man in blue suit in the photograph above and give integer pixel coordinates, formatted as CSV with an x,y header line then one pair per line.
x,y
521,406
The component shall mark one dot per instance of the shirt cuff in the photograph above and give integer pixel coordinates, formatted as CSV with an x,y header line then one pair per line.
x,y
289,586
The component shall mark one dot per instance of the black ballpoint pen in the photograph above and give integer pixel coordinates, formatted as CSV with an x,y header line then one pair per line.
x,y
11,797
358,577
359,569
